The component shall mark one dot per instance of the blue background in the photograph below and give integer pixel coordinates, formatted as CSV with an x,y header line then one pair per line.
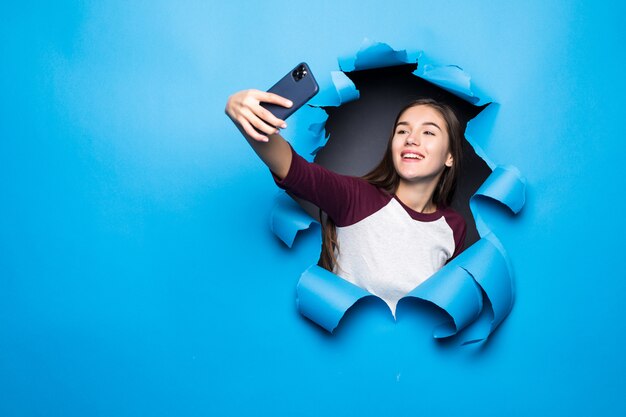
x,y
138,275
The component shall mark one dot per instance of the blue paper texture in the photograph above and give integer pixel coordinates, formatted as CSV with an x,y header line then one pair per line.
x,y
138,274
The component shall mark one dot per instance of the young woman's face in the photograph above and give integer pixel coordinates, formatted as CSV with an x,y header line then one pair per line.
x,y
420,144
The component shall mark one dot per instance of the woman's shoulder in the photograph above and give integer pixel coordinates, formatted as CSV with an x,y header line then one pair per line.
x,y
459,229
365,200
345,198
454,219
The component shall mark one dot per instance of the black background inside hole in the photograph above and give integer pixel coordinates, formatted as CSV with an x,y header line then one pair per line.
x,y
359,131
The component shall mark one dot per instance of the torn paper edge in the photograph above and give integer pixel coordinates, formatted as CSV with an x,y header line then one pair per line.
x,y
287,219
482,270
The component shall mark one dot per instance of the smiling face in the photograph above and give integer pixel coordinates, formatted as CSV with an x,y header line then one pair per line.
x,y
420,145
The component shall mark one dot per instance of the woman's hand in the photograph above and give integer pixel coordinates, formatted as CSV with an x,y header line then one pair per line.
x,y
245,109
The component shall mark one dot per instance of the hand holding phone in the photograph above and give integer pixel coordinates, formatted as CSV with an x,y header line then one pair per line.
x,y
248,109
298,85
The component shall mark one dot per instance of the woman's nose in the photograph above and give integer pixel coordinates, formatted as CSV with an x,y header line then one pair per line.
x,y
412,140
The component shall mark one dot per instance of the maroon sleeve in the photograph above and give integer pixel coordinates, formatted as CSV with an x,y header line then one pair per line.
x,y
345,199
459,229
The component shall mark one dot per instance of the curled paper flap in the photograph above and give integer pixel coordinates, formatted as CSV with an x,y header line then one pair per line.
x,y
505,185
480,127
486,262
374,55
458,289
324,297
346,90
319,137
287,219
308,141
454,290
476,288
451,78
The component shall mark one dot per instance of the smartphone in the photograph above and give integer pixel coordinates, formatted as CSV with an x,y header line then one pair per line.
x,y
298,85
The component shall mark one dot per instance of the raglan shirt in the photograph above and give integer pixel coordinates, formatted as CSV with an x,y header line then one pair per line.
x,y
385,247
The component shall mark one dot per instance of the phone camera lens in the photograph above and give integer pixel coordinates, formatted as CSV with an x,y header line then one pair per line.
x,y
299,73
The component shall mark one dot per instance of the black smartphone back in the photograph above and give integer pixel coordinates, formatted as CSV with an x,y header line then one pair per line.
x,y
298,85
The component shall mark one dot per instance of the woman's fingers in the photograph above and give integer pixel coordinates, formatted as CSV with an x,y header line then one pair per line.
x,y
268,117
245,107
265,114
257,122
253,99
247,127
274,99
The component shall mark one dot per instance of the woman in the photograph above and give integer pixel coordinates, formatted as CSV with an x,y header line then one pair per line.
x,y
390,230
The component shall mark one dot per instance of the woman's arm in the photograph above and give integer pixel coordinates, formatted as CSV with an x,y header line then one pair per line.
x,y
245,111
342,197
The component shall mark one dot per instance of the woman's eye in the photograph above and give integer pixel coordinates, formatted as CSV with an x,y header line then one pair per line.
x,y
401,132
428,132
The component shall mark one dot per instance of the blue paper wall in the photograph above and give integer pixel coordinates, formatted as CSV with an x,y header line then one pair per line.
x,y
138,275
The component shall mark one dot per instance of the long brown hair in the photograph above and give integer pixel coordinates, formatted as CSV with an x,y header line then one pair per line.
x,y
384,175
